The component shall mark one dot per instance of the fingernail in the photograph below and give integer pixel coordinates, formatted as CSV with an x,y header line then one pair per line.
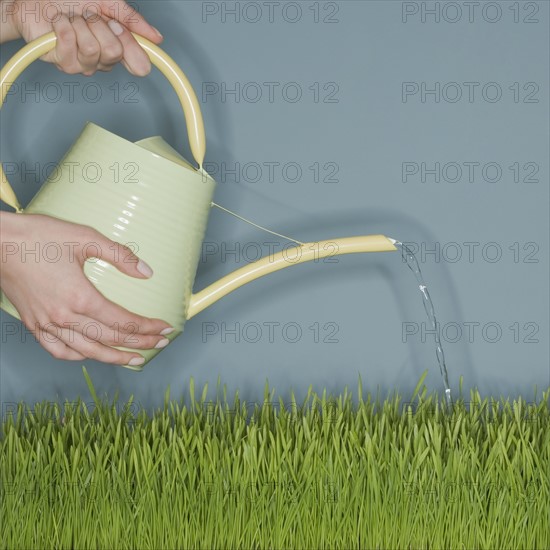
x,y
116,27
144,269
162,344
136,361
158,32
144,66
89,15
167,331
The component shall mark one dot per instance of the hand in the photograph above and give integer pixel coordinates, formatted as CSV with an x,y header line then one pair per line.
x,y
91,35
57,302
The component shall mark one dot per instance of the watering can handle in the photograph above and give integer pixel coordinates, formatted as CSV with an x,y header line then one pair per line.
x,y
191,108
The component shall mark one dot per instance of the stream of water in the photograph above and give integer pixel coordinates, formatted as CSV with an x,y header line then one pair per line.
x,y
410,259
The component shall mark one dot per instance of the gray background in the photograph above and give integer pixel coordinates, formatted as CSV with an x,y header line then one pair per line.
x,y
367,131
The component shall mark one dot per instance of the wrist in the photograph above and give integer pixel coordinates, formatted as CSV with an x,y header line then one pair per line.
x,y
10,224
8,26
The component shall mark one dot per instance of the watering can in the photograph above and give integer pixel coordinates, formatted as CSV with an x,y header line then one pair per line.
x,y
163,208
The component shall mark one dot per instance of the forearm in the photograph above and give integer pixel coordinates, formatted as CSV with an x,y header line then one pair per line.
x,y
8,232
6,219
9,227
7,28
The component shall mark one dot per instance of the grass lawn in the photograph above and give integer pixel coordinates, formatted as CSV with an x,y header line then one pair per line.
x,y
402,472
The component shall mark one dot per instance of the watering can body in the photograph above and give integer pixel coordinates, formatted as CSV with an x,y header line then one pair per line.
x,y
134,195
148,197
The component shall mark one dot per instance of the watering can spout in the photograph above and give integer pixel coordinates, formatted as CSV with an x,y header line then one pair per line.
x,y
306,252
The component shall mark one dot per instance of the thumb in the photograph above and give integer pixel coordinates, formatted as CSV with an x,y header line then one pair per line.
x,y
118,255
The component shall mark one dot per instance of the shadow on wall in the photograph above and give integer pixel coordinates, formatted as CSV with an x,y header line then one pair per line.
x,y
163,115
193,59
394,271
25,360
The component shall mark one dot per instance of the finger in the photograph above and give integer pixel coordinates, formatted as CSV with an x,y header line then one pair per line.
x,y
96,306
105,68
111,49
56,347
65,52
131,19
135,59
88,348
89,49
123,335
113,315
117,254
49,342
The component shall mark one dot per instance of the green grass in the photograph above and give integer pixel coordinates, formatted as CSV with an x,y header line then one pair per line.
x,y
326,473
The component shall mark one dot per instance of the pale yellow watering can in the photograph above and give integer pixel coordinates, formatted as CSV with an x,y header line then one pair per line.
x,y
163,207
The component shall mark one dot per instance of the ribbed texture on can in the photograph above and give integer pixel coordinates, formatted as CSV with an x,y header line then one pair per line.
x,y
135,197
